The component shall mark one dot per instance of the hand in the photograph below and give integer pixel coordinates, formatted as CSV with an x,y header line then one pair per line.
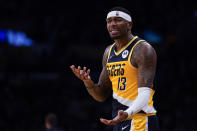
x,y
83,75
122,116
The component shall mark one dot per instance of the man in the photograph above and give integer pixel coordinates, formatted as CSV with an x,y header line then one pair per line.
x,y
128,70
51,123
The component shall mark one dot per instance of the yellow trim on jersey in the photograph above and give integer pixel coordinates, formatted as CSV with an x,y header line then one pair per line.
x,y
140,115
129,58
124,47
150,102
109,52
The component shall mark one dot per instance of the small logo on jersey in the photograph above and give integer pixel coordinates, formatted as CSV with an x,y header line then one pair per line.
x,y
125,53
123,128
117,13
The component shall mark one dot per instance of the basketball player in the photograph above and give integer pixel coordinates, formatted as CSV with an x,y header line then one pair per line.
x,y
128,70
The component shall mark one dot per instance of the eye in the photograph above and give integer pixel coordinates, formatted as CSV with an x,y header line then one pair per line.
x,y
118,19
108,20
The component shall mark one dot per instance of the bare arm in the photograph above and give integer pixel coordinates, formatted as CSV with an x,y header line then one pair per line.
x,y
144,58
98,91
102,90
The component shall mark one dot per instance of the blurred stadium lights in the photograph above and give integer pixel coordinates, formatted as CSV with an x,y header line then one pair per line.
x,y
2,36
195,13
15,38
152,37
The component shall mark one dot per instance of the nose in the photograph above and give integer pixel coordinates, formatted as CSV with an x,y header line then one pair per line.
x,y
113,23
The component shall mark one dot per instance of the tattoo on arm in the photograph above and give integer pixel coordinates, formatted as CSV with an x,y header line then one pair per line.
x,y
104,81
101,91
144,58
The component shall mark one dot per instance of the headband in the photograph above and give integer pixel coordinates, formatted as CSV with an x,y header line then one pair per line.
x,y
119,14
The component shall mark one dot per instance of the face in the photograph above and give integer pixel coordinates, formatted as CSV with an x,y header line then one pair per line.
x,y
47,125
118,27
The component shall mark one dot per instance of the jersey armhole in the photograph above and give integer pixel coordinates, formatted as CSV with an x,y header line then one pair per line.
x,y
129,58
109,52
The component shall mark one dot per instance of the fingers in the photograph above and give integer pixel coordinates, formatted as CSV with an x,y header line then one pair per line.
x,y
72,67
75,70
106,122
81,74
87,75
109,122
120,112
78,71
119,118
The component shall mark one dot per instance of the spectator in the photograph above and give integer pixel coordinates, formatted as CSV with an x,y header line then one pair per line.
x,y
51,123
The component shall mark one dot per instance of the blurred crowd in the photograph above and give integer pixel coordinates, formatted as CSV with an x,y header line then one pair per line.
x,y
37,80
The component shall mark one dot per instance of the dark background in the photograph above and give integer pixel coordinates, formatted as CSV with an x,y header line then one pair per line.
x,y
36,80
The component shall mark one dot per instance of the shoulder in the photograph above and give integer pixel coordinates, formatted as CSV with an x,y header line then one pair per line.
x,y
108,48
106,53
143,52
144,48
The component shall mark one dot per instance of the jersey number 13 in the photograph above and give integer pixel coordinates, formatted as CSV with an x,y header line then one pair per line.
x,y
122,83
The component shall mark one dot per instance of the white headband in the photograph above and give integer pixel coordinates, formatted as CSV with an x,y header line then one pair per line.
x,y
119,14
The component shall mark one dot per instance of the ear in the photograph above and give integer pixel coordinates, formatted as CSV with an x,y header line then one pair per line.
x,y
130,25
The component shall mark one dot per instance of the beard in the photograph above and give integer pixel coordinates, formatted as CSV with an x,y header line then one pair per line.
x,y
114,37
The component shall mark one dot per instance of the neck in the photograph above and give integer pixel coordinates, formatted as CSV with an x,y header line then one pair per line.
x,y
122,42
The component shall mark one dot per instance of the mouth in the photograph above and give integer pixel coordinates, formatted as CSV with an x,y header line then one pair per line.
x,y
114,32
